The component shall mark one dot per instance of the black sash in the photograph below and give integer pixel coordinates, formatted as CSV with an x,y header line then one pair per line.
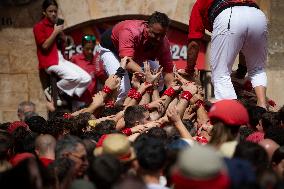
x,y
219,5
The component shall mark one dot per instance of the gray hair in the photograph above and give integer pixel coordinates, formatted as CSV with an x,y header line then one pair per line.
x,y
25,103
67,144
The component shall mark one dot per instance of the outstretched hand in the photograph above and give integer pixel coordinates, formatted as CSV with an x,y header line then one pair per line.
x,y
98,99
112,82
191,87
173,114
150,77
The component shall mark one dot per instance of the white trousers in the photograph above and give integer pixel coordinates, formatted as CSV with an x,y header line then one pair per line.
x,y
245,31
73,79
111,64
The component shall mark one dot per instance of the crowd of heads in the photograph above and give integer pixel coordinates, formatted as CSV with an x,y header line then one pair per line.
x,y
171,138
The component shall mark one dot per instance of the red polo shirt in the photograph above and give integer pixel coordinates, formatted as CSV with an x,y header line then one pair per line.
x,y
129,37
42,30
95,69
198,20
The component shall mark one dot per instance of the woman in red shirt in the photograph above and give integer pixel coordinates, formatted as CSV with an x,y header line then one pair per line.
x,y
73,80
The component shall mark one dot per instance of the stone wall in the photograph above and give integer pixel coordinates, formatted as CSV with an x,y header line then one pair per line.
x,y
18,63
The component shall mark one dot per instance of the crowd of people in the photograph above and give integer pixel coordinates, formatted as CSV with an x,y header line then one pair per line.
x,y
144,124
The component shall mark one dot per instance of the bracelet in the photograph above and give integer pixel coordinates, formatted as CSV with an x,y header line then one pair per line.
x,y
109,103
170,92
127,131
199,103
186,95
67,115
201,139
137,96
106,89
271,103
146,106
131,92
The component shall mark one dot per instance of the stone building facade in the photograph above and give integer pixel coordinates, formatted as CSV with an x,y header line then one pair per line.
x,y
18,62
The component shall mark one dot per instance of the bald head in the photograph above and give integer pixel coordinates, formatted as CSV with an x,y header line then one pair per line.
x,y
270,146
45,146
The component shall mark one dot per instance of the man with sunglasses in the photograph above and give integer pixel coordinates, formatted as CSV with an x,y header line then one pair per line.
x,y
91,63
141,41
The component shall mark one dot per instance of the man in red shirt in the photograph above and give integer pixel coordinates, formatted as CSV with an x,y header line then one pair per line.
x,y
91,63
141,41
236,25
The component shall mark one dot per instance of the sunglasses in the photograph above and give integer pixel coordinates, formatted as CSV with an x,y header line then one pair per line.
x,y
89,38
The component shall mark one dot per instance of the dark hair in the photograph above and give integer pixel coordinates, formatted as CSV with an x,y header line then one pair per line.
x,y
25,174
157,132
151,155
24,140
253,153
255,114
270,120
281,114
4,126
60,167
47,3
133,114
276,134
107,111
161,18
6,144
55,126
80,123
105,127
245,132
90,145
37,124
278,155
90,135
140,140
105,171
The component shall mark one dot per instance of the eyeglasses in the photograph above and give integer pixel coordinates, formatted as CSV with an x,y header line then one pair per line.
x,y
82,158
89,38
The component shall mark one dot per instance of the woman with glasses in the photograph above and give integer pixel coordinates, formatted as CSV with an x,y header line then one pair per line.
x,y
73,80
91,63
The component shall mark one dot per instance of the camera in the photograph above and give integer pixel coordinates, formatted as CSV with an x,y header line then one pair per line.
x,y
60,21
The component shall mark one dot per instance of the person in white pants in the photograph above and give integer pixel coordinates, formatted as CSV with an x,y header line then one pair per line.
x,y
246,35
236,26
73,79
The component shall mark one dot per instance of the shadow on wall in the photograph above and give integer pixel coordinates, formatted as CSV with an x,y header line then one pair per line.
x,y
19,13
